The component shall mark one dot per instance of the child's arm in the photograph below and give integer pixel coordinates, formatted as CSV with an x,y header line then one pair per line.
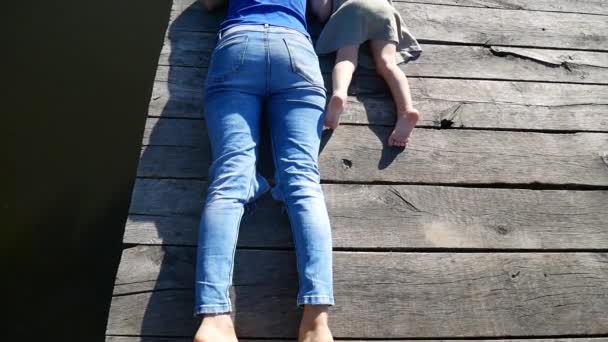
x,y
321,9
211,5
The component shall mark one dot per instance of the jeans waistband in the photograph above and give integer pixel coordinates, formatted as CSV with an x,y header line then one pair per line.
x,y
261,28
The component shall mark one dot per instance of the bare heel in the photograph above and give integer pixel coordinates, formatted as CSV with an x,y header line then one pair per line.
x,y
336,106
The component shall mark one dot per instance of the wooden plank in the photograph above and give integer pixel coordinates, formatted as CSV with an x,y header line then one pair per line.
x,y
435,156
470,157
597,7
427,295
380,216
193,49
176,339
455,103
569,6
505,27
468,25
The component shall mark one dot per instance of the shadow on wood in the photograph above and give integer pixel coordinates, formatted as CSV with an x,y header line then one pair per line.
x,y
270,215
389,153
158,308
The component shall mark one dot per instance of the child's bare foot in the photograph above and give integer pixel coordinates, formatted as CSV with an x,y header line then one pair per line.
x,y
335,107
403,128
216,328
314,326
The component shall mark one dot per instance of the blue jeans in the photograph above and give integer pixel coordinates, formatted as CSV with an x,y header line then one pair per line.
x,y
274,71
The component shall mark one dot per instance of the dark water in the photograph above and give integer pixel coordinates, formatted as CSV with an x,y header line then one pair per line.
x,y
83,77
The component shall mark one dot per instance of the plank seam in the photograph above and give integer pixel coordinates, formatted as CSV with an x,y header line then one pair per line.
x,y
404,250
368,74
521,186
444,78
458,338
432,41
514,8
473,338
499,8
488,45
444,124
440,126
124,294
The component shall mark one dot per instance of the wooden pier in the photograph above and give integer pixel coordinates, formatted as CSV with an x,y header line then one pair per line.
x,y
493,224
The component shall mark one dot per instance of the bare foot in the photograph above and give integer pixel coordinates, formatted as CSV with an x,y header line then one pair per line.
x,y
336,106
314,326
403,128
216,328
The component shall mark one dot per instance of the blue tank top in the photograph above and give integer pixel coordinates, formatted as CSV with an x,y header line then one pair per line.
x,y
286,13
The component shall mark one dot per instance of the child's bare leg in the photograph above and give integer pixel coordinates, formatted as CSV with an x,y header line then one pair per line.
x,y
216,328
346,63
314,325
385,53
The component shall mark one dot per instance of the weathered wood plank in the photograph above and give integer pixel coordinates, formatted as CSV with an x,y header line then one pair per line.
x,y
455,103
193,49
599,7
381,216
176,339
505,27
416,294
467,157
435,156
469,25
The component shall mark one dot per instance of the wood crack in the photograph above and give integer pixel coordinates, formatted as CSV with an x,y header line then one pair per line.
x,y
135,282
408,203
132,293
538,57
404,200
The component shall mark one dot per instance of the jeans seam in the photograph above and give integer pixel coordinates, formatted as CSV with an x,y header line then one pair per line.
x,y
291,59
249,192
291,226
268,64
256,28
308,300
242,61
250,199
211,309
212,305
232,260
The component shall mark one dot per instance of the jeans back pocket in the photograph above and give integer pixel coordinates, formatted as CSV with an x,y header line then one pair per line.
x,y
227,57
304,60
